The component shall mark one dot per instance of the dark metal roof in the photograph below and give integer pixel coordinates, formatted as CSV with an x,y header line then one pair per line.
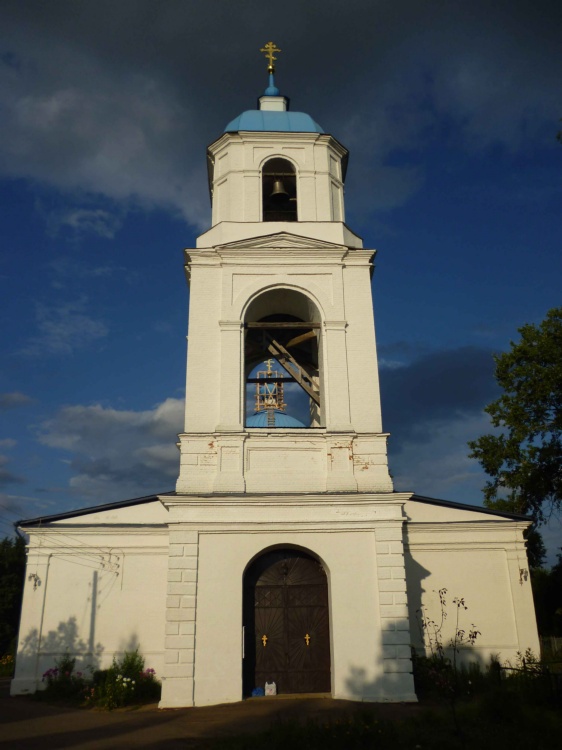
x,y
464,506
92,509
151,498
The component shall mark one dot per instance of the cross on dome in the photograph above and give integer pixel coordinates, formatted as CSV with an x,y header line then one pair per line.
x,y
268,51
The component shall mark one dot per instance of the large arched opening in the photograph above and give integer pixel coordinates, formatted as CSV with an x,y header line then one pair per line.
x,y
283,360
286,623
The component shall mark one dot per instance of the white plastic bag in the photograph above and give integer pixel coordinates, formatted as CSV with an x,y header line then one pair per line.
x,y
270,688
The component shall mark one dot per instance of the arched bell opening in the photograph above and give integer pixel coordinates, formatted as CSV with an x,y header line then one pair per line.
x,y
279,191
286,623
282,361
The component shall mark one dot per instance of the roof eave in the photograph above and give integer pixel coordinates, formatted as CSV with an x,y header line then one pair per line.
x,y
41,520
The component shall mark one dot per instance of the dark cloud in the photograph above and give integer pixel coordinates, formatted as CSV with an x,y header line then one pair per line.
x,y
441,386
6,477
117,453
432,406
119,99
14,400
153,477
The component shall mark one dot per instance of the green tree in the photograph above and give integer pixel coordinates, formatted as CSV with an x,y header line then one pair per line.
x,y
524,458
12,572
547,593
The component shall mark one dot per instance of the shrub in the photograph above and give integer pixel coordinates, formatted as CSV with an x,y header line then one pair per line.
x,y
125,683
7,665
63,682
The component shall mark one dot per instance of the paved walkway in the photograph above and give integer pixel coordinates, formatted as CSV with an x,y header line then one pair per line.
x,y
26,724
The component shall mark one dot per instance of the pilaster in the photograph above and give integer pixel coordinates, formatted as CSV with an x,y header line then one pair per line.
x,y
181,610
393,608
338,415
231,411
29,668
522,597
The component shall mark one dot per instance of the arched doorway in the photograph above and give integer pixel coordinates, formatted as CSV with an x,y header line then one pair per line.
x,y
286,623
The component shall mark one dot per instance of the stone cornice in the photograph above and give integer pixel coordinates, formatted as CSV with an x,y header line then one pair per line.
x,y
468,525
250,136
107,527
328,512
295,499
281,240
329,232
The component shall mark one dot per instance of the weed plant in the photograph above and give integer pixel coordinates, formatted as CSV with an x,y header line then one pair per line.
x,y
488,725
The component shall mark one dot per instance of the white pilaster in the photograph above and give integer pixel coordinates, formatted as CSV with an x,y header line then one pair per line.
x,y
181,610
231,411
393,608
338,418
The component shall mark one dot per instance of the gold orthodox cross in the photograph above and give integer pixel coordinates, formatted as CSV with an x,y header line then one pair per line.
x,y
268,50
264,640
307,639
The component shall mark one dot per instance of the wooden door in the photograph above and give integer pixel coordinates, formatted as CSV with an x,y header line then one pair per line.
x,y
287,633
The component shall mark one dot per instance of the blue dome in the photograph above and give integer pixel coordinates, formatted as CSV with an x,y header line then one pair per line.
x,y
267,121
259,419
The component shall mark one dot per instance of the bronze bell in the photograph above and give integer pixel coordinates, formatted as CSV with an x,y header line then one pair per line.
x,y
279,193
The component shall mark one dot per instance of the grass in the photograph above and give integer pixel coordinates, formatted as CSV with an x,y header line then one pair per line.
x,y
500,720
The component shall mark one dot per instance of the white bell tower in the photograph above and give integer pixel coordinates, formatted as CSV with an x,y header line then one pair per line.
x,y
280,276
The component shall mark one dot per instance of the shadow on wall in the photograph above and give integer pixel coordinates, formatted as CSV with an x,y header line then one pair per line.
x,y
397,637
130,645
392,686
415,574
35,655
396,685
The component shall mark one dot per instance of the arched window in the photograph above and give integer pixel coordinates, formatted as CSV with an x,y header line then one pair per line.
x,y
282,360
279,191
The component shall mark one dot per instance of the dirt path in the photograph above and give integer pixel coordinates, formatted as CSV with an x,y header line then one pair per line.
x,y
28,724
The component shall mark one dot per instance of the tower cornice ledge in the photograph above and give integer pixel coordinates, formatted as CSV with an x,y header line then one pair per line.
x,y
283,256
268,136
331,232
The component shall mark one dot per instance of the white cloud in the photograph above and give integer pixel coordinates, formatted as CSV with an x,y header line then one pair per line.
x,y
66,270
64,328
80,220
121,136
117,453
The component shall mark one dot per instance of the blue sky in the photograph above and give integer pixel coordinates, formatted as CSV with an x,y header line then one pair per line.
x,y
450,111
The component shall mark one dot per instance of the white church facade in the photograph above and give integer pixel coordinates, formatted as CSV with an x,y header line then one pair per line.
x,y
284,553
